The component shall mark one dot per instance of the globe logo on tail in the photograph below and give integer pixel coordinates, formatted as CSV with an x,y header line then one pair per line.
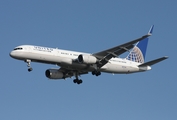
x,y
136,55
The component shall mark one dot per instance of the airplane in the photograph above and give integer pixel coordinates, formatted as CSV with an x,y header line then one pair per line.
x,y
74,63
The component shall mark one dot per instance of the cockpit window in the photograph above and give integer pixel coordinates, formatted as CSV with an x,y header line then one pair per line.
x,y
18,48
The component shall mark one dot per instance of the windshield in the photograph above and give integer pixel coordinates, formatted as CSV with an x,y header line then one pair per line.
x,y
18,48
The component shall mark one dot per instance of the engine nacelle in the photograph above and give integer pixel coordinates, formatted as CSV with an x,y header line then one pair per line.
x,y
88,59
54,74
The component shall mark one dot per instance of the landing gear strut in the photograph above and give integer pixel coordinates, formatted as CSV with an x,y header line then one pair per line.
x,y
28,65
77,80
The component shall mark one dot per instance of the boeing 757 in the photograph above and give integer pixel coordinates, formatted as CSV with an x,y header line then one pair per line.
x,y
74,63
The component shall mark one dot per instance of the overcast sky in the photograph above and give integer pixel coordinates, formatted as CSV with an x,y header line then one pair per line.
x,y
88,26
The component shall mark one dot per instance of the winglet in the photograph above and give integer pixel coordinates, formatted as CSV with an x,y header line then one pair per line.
x,y
151,30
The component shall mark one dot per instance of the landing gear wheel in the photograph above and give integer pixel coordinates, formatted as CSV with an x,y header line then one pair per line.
x,y
30,69
79,82
75,81
93,72
97,73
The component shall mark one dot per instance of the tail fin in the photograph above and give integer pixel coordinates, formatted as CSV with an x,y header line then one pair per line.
x,y
138,53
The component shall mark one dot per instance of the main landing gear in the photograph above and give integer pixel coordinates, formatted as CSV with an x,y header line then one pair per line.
x,y
97,73
77,80
28,65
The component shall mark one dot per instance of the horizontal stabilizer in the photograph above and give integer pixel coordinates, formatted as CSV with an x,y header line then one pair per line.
x,y
153,62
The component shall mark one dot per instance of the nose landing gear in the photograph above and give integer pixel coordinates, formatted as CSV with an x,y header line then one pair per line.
x,y
29,65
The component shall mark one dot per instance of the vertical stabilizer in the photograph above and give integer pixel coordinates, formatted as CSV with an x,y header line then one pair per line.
x,y
138,53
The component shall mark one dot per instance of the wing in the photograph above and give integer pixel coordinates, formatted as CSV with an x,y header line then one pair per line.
x,y
70,73
106,55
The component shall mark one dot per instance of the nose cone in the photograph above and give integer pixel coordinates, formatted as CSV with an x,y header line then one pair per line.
x,y
12,54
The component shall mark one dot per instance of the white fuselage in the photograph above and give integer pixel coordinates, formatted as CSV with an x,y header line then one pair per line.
x,y
68,59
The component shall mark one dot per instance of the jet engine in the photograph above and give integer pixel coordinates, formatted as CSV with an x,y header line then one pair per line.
x,y
54,74
87,59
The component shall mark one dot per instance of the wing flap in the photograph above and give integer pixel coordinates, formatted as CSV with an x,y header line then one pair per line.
x,y
110,55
